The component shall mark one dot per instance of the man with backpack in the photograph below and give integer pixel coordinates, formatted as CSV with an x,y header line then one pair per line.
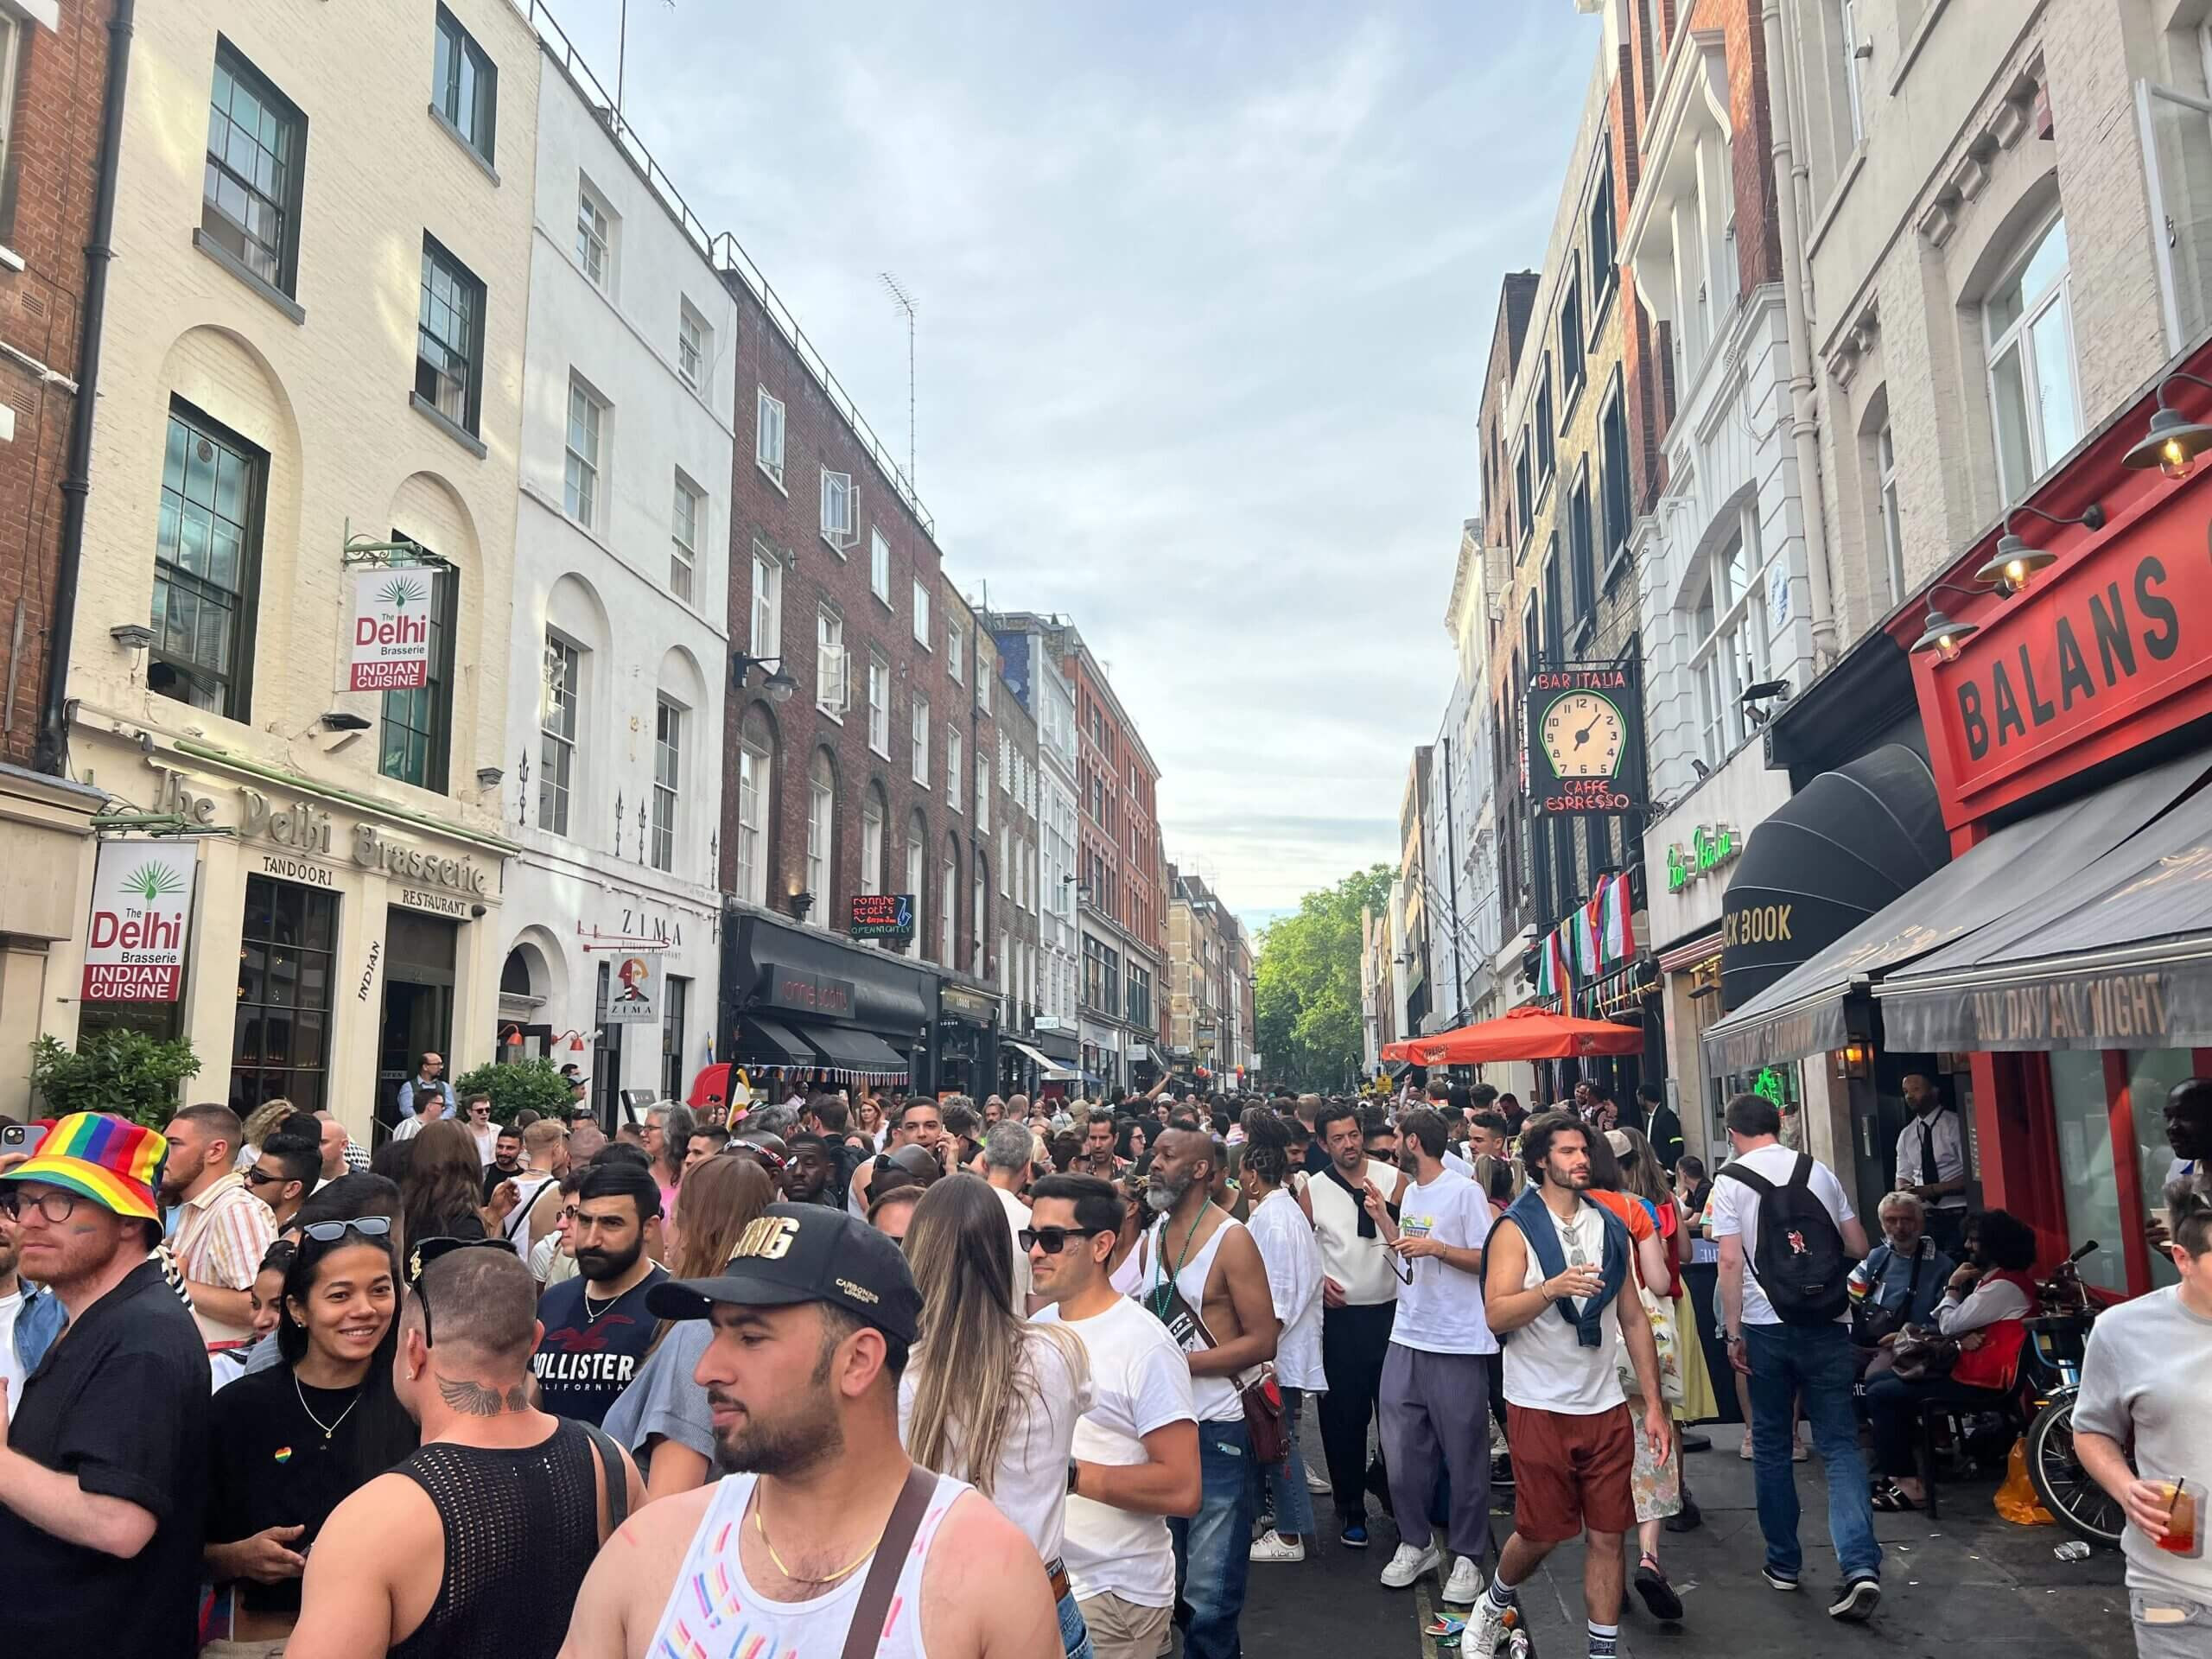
x,y
1788,1240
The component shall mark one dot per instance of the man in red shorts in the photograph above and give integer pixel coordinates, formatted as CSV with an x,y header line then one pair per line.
x,y
1553,1279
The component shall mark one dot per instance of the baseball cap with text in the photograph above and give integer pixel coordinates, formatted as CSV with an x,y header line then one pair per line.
x,y
797,1253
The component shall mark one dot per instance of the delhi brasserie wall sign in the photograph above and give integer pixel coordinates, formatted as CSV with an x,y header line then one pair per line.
x,y
141,915
1583,722
391,646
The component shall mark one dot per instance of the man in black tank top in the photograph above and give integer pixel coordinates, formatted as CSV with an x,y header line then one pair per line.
x,y
476,1544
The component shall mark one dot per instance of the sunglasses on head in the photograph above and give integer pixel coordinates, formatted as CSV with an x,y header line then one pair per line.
x,y
329,1232
433,1249
1053,1240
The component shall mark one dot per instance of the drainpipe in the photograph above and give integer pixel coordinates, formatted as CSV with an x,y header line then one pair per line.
x,y
1804,419
76,478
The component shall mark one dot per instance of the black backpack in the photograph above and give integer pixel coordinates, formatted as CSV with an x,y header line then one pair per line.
x,y
1798,1258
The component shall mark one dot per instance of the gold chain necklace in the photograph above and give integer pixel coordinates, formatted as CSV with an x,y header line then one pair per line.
x,y
762,1532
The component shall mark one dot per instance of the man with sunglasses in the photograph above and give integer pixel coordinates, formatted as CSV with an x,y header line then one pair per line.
x,y
104,1479
597,1328
1136,1449
221,1229
284,1173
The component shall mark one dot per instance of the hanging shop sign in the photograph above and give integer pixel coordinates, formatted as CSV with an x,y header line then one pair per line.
x,y
1581,750
636,998
142,912
392,607
1711,846
882,916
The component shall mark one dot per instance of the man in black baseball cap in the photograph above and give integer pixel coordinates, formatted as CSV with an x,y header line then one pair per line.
x,y
814,1316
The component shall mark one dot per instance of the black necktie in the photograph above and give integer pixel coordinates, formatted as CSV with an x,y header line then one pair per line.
x,y
1927,1151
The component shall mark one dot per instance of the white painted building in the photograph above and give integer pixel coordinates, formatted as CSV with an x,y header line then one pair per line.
x,y
1468,813
1037,682
613,786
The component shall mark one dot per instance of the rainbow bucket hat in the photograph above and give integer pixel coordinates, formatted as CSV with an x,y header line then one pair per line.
x,y
115,1163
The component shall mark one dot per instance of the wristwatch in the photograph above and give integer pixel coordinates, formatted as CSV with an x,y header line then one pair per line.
x,y
1073,1466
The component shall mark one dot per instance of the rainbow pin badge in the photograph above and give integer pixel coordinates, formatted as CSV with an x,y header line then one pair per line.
x,y
283,1455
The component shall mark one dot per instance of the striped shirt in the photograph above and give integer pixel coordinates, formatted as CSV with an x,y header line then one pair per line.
x,y
219,1238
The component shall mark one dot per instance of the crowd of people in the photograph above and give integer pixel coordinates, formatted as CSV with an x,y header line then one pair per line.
x,y
899,1374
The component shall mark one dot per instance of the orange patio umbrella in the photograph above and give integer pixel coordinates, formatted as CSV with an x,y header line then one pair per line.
x,y
1524,1034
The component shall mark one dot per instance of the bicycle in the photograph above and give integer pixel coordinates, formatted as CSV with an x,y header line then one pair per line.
x,y
2050,1378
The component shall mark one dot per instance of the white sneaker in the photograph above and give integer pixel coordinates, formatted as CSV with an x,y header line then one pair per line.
x,y
1317,1484
1273,1547
1486,1630
1409,1564
1467,1583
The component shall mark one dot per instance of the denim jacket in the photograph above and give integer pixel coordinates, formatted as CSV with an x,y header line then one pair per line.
x,y
39,1323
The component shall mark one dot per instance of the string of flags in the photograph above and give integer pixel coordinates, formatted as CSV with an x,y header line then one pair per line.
x,y
1589,937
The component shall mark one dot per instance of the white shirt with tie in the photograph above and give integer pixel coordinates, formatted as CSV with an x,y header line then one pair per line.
x,y
1943,1137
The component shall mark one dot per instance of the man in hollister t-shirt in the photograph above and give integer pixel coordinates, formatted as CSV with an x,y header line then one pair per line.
x,y
597,1328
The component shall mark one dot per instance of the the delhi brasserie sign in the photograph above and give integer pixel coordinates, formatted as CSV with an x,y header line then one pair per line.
x,y
391,645
141,915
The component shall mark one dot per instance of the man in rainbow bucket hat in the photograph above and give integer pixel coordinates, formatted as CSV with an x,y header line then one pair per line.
x,y
103,1476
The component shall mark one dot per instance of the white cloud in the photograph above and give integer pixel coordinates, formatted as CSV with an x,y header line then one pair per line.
x,y
1205,299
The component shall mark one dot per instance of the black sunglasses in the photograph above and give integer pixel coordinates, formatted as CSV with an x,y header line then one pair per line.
x,y
1053,1240
257,1176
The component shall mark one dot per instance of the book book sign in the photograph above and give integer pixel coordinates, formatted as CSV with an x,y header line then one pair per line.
x,y
635,997
392,606
141,914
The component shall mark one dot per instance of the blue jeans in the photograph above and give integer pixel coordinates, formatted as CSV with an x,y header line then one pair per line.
x,y
1292,1503
1213,1548
1814,1362
1075,1635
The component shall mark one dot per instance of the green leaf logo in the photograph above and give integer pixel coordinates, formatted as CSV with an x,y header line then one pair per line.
x,y
401,592
152,881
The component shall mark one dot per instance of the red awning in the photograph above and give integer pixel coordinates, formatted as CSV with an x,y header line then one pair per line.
x,y
1523,1034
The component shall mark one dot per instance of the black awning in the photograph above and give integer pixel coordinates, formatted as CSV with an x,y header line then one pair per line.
x,y
1806,1011
2114,954
855,1051
763,1042
1828,858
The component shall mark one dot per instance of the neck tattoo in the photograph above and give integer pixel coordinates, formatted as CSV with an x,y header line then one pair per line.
x,y
474,1399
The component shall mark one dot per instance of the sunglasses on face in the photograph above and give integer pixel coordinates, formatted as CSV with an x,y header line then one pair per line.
x,y
259,1176
1053,1240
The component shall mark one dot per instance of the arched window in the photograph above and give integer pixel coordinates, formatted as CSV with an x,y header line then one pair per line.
x,y
871,816
821,832
756,752
918,843
979,888
948,906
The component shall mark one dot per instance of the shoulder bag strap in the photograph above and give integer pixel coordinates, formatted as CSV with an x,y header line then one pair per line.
x,y
618,1476
1750,1178
1912,1281
864,1638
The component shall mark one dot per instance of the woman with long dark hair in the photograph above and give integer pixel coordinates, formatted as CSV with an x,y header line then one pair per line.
x,y
988,1397
661,1419
441,1194
290,1442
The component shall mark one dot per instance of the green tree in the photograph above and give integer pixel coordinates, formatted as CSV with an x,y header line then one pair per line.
x,y
514,1084
1305,988
113,1069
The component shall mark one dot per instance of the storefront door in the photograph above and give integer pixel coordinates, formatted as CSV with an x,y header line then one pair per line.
x,y
418,980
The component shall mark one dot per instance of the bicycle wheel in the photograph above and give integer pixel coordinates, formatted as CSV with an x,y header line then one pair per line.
x,y
2063,1485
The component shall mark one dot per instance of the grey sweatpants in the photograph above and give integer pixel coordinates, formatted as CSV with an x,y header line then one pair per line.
x,y
1435,1408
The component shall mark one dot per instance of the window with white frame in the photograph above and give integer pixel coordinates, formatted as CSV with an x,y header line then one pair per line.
x,y
878,704
2034,394
821,830
557,724
1846,35
947,880
872,841
1730,628
668,765
956,651
691,336
983,798
768,433
767,603
1005,861
952,767
983,678
1885,474
594,235
921,614
878,566
752,761
917,735
917,854
838,509
830,676
586,431
688,522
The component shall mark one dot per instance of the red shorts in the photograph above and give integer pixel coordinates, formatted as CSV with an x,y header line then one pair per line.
x,y
1570,1473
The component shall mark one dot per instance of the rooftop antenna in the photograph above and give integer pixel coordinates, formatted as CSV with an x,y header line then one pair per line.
x,y
905,302
622,54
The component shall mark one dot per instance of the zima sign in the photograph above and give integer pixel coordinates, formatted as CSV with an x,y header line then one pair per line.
x,y
142,912
635,1000
391,647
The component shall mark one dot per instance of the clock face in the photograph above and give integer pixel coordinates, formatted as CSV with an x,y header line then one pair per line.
x,y
1583,736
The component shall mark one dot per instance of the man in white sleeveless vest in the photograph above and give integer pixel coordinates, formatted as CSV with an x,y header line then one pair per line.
x,y
813,1319
1360,1295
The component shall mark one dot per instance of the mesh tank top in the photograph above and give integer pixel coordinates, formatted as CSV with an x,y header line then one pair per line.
x,y
714,1613
521,1529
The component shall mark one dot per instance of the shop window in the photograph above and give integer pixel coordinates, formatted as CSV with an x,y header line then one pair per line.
x,y
676,1003
2034,397
2152,1075
281,1033
418,722
2083,1118
207,566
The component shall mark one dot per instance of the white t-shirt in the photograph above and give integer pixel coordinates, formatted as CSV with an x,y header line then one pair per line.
x,y
1546,1367
1140,1382
11,1367
1031,1487
1293,1259
1735,1211
1017,1217
1441,1312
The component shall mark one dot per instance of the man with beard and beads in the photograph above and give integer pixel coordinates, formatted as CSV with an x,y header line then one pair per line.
x,y
809,1172
821,1525
478,1543
597,1328
222,1231
1553,1269
920,1123
1198,1271
1359,1296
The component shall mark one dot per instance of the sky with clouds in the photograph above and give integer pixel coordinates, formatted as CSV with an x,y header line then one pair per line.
x,y
1206,296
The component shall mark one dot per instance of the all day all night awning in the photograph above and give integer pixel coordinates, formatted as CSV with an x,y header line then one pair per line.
x,y
844,1050
2116,953
1819,1005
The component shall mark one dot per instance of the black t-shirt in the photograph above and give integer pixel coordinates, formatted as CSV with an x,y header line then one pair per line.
x,y
493,1175
271,1466
120,1402
588,1356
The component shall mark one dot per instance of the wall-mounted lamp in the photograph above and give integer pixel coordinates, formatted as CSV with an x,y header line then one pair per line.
x,y
131,636
2015,564
338,720
1942,635
488,777
1853,1061
1699,766
2173,442
801,903
777,684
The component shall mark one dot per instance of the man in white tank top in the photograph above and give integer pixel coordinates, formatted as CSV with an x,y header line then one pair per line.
x,y
813,1318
